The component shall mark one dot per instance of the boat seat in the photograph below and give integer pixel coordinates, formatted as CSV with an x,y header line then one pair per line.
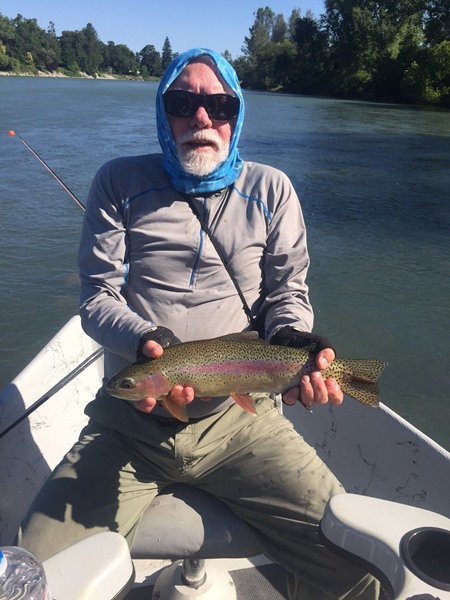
x,y
188,525
98,567
407,548
186,521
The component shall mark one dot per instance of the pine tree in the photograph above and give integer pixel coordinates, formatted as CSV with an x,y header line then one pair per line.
x,y
167,55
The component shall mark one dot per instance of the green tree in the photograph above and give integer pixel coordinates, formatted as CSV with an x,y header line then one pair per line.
x,y
279,29
7,31
7,34
437,21
52,49
167,54
244,70
82,50
119,59
277,60
260,32
271,69
367,38
427,80
150,58
91,56
227,56
292,23
26,46
310,75
268,53
71,43
32,45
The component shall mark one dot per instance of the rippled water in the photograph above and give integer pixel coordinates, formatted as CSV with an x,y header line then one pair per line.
x,y
374,181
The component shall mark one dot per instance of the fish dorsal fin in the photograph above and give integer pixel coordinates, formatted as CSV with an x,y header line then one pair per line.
x,y
243,336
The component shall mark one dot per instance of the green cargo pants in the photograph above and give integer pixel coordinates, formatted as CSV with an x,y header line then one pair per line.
x,y
259,466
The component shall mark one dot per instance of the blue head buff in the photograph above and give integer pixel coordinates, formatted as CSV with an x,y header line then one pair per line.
x,y
227,172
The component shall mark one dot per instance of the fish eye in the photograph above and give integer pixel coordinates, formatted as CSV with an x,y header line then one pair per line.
x,y
127,384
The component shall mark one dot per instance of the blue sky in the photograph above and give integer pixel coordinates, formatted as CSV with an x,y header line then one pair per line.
x,y
220,25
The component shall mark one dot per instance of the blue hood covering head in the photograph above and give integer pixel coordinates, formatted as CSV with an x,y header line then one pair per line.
x,y
227,172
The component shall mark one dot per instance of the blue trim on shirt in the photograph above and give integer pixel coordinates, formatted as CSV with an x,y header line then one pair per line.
x,y
126,203
197,258
125,275
200,247
257,200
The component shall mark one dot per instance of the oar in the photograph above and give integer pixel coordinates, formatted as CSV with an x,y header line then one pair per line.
x,y
56,388
12,133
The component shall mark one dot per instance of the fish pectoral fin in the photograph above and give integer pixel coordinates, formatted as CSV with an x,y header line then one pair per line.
x,y
177,411
244,401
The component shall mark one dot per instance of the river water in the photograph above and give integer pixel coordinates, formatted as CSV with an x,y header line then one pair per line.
x,y
374,182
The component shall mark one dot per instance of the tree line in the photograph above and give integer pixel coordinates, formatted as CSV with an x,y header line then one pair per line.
x,y
388,50
27,47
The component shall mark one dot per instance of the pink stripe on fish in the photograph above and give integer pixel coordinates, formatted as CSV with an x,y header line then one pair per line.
x,y
243,367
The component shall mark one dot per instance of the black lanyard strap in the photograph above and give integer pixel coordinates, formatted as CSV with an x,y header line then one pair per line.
x,y
257,323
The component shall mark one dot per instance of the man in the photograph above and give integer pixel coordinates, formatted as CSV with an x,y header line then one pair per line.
x,y
151,276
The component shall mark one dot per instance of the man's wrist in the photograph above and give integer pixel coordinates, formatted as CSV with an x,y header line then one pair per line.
x,y
292,337
161,335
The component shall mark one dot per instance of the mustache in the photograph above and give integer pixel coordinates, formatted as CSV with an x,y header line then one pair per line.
x,y
209,137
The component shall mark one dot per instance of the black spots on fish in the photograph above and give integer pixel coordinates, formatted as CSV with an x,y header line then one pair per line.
x,y
365,369
364,391
357,378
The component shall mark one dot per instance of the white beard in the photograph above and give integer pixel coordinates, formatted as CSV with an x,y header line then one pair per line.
x,y
204,162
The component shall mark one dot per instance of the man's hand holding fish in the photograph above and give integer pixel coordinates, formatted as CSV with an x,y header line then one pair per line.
x,y
314,389
179,395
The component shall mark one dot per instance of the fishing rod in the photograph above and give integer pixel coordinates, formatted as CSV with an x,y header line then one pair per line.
x,y
56,388
90,359
13,133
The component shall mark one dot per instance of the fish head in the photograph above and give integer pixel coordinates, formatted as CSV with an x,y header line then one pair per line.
x,y
129,385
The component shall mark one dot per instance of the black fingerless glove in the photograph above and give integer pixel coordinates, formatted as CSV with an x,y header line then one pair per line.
x,y
162,335
288,336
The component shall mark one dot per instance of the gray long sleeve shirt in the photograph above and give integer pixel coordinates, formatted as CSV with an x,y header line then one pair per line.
x,y
145,260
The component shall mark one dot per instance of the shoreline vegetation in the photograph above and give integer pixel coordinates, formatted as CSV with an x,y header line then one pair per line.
x,y
81,75
396,52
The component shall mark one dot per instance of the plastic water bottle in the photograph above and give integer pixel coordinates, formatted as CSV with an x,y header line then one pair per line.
x,y
22,576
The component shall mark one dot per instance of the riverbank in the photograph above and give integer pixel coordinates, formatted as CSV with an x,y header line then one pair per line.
x,y
80,75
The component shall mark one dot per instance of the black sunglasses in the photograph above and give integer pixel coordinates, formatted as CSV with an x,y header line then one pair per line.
x,y
220,107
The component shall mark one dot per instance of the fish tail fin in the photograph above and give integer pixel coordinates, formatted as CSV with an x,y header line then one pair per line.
x,y
358,379
244,401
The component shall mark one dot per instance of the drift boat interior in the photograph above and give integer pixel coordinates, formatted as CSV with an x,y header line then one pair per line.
x,y
395,517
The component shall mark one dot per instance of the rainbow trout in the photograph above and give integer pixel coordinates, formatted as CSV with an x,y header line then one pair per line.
x,y
237,365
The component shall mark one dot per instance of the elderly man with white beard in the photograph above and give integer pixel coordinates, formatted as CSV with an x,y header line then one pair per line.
x,y
173,246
